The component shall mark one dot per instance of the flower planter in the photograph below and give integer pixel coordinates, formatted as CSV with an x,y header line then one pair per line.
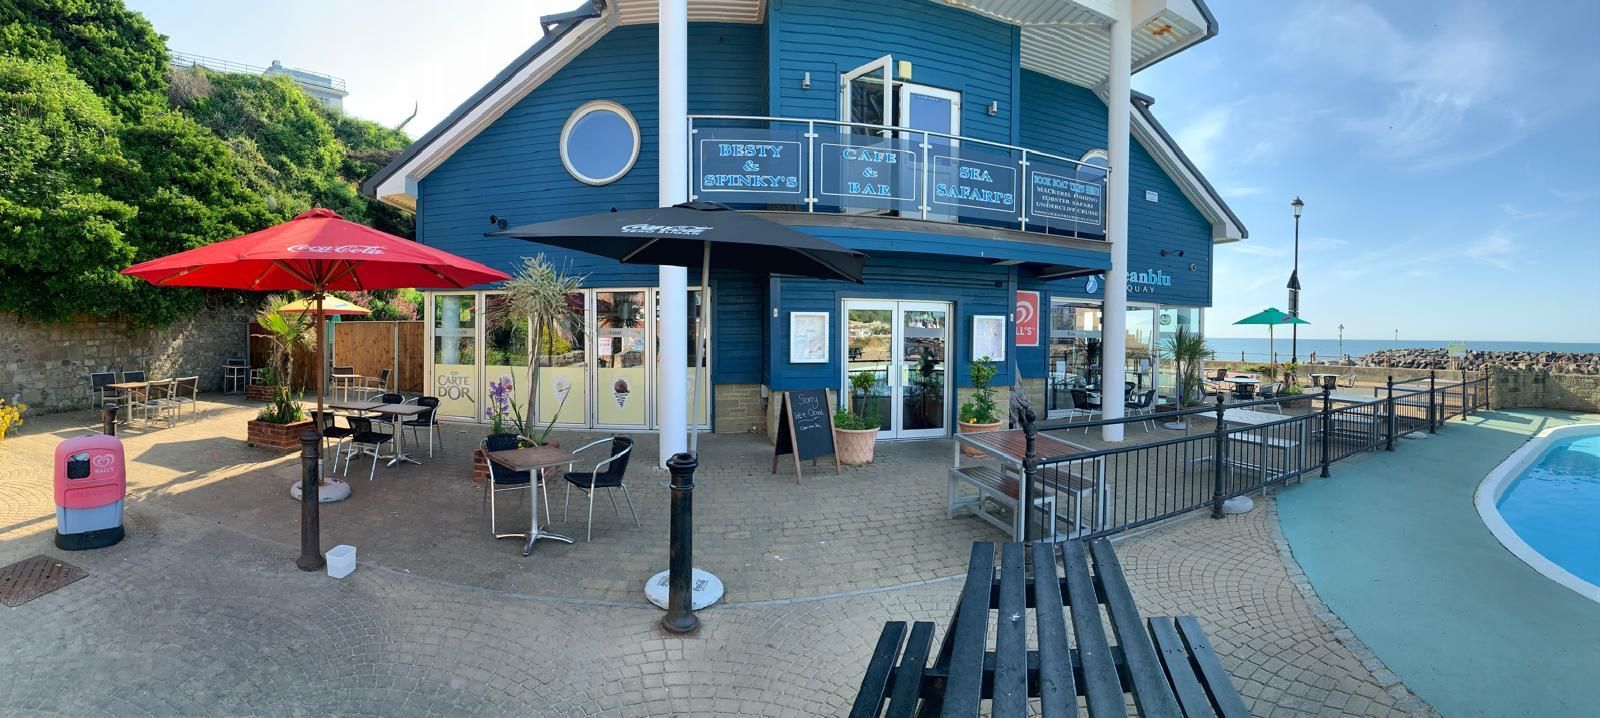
x,y
967,428
258,392
855,446
282,437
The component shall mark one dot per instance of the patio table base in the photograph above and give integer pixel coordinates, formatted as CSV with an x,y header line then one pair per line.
x,y
527,549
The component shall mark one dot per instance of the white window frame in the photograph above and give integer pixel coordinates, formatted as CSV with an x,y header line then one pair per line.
x,y
583,111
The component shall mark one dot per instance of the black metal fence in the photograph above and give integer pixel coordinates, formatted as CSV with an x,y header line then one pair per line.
x,y
1231,449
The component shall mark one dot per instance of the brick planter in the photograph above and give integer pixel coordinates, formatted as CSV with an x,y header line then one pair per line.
x,y
282,437
258,392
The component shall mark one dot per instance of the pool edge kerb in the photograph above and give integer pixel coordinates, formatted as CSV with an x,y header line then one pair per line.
x,y
1493,486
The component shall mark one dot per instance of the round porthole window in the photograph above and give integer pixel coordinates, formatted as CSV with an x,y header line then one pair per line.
x,y
600,142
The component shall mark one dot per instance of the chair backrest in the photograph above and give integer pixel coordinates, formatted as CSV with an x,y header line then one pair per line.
x,y
323,420
392,398
98,379
1080,398
383,378
501,442
359,424
1222,375
432,402
234,362
621,449
1148,399
161,389
190,384
131,376
344,370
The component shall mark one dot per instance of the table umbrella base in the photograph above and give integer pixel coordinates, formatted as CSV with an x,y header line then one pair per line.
x,y
330,491
527,548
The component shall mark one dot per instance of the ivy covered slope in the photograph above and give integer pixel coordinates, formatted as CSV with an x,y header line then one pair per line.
x,y
108,156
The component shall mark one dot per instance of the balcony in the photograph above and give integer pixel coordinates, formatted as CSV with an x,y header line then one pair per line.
x,y
844,168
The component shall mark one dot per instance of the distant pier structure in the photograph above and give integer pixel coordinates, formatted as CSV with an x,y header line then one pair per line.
x,y
327,89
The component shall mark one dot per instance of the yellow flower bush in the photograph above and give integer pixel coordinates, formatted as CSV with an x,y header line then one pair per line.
x,y
10,417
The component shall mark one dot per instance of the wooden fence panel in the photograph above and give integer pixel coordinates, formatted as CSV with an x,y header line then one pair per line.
x,y
370,347
305,362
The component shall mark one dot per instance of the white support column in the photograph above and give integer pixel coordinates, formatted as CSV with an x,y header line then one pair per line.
x,y
1114,320
672,378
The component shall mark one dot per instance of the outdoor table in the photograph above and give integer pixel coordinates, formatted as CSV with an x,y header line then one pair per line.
x,y
1009,446
239,374
1246,385
535,458
1165,664
356,406
1320,380
122,388
1252,417
400,412
343,382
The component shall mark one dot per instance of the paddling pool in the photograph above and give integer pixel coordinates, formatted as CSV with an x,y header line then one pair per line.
x,y
1543,504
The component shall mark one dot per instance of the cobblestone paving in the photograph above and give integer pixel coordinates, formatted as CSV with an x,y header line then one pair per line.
x,y
201,611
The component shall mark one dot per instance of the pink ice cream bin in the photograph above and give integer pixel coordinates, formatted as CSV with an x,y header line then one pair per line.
x,y
91,482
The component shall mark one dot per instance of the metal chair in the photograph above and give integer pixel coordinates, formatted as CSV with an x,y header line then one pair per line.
x,y
428,419
132,376
158,402
184,392
1081,406
607,475
503,478
97,384
362,437
385,419
1145,405
376,385
328,425
342,385
235,372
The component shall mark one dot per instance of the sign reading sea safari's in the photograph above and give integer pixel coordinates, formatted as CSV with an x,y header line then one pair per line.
x,y
962,181
757,166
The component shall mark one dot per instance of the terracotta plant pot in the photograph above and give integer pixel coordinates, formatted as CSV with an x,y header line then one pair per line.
x,y
282,437
855,446
967,428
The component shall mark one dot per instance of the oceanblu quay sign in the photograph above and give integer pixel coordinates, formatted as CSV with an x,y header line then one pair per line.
x,y
750,166
1145,282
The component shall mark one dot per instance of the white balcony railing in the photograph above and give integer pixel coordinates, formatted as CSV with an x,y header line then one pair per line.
x,y
828,166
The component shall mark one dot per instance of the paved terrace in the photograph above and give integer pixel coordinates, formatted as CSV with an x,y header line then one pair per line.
x,y
201,610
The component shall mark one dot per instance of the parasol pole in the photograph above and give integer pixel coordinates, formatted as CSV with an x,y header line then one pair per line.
x,y
699,347
310,498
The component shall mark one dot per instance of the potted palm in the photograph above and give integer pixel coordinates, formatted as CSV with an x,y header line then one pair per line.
x,y
1292,388
1188,351
280,423
855,433
979,413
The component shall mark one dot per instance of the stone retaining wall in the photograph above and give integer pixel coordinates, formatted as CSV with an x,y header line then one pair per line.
x,y
1540,389
47,366
739,408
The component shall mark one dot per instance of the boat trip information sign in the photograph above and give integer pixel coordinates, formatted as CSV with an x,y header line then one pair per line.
x,y
1059,199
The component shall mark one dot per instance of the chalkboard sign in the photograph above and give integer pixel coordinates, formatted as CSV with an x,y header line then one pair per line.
x,y
805,429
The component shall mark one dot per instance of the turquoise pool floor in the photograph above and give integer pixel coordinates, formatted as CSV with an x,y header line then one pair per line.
x,y
1393,545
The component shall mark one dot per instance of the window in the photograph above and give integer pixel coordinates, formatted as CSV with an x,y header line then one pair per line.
x,y
1095,163
599,142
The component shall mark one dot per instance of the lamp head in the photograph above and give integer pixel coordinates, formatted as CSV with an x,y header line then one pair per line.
x,y
1294,280
1297,205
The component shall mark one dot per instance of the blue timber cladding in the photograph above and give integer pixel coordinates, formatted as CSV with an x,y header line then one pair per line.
x,y
948,47
972,286
513,169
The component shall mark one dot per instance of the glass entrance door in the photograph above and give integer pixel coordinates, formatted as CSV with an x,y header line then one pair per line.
x,y
620,388
896,365
1074,355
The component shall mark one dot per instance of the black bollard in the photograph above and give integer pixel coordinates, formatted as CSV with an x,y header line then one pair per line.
x,y
680,616
1394,421
1030,472
1327,428
310,503
109,412
1219,440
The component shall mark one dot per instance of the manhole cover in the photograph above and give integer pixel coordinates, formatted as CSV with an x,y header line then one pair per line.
x,y
31,578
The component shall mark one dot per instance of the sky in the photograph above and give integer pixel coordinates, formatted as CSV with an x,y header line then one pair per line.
x,y
1448,153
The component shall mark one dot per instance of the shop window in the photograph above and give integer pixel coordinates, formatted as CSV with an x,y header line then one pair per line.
x,y
600,142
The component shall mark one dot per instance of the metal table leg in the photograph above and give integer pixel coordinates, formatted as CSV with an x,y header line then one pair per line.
x,y
534,531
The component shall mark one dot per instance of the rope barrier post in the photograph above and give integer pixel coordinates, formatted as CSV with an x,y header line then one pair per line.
x,y
1433,413
1393,420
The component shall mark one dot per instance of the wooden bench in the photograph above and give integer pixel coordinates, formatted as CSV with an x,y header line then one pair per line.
x,y
1167,665
1003,486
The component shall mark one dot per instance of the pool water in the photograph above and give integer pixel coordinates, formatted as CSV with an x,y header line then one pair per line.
x,y
1554,505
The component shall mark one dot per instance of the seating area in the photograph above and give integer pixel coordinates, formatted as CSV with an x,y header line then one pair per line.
x,y
151,401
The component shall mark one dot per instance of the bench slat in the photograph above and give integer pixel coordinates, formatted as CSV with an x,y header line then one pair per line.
x,y
1101,686
964,689
1223,695
1011,636
1058,691
875,684
1150,690
1180,672
908,678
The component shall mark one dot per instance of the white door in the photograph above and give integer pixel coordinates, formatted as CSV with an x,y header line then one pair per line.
x,y
896,365
864,95
934,110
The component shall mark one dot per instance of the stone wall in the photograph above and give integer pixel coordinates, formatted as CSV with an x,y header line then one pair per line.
x,y
739,408
1540,389
47,366
1363,374
1002,401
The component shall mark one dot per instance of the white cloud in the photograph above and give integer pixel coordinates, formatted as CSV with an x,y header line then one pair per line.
x,y
1495,249
1201,136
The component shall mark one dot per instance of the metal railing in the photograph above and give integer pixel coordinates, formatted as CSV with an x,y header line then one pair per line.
x,y
304,77
1119,488
831,166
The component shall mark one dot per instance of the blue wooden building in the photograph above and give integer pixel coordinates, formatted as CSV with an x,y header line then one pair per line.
x,y
962,145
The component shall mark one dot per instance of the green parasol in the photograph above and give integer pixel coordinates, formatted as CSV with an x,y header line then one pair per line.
x,y
1271,317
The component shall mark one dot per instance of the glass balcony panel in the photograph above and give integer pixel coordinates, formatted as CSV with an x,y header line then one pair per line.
x,y
975,183
750,167
866,172
1066,198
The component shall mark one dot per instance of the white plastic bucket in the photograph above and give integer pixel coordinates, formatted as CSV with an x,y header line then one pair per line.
x,y
341,560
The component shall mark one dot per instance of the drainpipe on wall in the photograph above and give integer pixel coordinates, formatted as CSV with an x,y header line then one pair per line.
x,y
1114,337
672,411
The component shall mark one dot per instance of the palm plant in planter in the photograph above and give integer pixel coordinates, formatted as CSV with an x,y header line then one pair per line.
x,y
855,435
280,423
1291,387
1188,351
979,413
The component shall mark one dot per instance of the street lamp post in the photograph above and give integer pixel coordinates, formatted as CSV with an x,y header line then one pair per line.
x,y
1294,283
1341,342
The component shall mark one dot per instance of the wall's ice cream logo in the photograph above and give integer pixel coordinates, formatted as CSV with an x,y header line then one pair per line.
x,y
619,392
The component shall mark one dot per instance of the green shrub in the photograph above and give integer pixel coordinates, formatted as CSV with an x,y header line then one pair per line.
x,y
981,409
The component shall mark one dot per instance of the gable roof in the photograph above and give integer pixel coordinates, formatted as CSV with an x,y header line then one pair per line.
x,y
568,34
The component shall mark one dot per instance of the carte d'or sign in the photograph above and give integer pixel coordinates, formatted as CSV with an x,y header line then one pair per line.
x,y
834,170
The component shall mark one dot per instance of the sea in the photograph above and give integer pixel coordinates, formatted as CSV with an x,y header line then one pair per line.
x,y
1256,348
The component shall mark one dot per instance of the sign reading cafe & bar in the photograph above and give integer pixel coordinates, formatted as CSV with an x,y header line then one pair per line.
x,y
750,166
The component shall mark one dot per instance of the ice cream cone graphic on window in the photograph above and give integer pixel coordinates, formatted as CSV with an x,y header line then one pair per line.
x,y
562,387
619,391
